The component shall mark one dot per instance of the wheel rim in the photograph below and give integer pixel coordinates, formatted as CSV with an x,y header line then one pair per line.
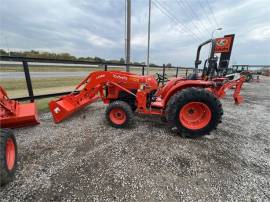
x,y
118,116
195,115
10,153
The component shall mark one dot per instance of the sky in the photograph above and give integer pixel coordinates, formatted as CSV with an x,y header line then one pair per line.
x,y
97,27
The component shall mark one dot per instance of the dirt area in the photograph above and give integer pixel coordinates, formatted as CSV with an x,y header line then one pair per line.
x,y
85,159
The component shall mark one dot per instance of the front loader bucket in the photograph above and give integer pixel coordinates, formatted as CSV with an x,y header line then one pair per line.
x,y
14,114
25,115
67,105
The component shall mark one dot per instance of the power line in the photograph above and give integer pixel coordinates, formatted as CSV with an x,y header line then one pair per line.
x,y
165,13
172,17
212,12
128,33
180,4
205,13
148,37
125,30
179,22
196,16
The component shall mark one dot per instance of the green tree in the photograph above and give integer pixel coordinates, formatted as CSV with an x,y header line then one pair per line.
x,y
3,52
97,59
122,61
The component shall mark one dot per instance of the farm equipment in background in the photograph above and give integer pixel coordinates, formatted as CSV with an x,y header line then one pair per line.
x,y
14,114
8,156
243,71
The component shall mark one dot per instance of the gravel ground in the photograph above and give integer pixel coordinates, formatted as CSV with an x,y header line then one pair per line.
x,y
85,159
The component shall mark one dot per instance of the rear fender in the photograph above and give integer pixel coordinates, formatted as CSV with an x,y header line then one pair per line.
x,y
183,85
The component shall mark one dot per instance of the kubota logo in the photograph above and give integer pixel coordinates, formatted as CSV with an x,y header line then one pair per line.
x,y
222,42
100,76
223,45
120,77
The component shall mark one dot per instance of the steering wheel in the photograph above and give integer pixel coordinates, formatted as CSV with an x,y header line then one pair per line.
x,y
162,78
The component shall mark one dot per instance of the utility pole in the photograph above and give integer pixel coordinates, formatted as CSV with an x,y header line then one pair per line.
x,y
212,36
125,34
128,34
148,45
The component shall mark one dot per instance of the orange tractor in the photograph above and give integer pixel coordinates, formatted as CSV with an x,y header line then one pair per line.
x,y
191,105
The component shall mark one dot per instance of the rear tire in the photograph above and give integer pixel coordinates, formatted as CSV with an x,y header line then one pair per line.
x,y
194,111
8,156
119,114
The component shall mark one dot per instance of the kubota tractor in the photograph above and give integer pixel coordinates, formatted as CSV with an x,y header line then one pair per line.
x,y
190,104
187,104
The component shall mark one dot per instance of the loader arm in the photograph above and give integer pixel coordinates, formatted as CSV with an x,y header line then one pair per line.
x,y
95,86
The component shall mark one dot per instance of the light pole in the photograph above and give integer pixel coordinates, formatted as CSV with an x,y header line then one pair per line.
x,y
212,36
148,41
218,29
128,31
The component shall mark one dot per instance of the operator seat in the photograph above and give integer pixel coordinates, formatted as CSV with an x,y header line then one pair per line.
x,y
193,76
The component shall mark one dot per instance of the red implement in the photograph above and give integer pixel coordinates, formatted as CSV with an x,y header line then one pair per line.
x,y
221,92
67,105
14,114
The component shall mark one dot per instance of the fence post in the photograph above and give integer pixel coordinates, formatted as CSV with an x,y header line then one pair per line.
x,y
186,72
143,70
163,73
105,67
176,75
28,81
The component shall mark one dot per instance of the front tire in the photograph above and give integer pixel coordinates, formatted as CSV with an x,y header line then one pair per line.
x,y
194,111
119,114
8,156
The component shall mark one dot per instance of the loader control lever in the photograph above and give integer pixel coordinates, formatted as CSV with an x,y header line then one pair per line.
x,y
162,78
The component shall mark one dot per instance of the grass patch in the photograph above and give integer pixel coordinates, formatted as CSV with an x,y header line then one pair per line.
x,y
17,87
42,105
38,83
45,68
51,68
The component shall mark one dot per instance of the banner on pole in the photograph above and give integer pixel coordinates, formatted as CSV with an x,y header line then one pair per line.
x,y
223,45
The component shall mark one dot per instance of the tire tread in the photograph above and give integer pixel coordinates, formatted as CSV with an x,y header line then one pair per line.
x,y
122,105
184,96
